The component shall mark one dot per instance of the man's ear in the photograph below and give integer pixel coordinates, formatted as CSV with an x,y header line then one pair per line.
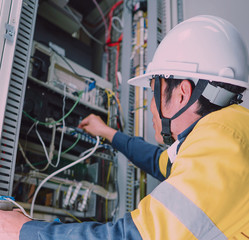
x,y
185,91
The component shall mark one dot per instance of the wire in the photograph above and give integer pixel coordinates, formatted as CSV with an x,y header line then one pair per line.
x,y
107,182
73,145
63,127
61,119
108,39
71,67
98,190
110,21
112,94
19,206
115,18
106,34
109,173
115,210
51,147
29,163
50,155
72,216
142,107
103,17
82,27
43,145
91,151
38,163
109,96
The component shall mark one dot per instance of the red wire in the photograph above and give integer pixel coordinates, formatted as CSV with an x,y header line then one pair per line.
x,y
108,40
116,44
110,19
113,44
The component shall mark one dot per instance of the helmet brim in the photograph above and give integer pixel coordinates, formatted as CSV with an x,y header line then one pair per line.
x,y
144,80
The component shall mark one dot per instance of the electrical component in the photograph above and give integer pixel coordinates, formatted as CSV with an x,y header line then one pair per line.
x,y
5,204
40,65
76,192
69,193
54,105
64,72
83,205
89,152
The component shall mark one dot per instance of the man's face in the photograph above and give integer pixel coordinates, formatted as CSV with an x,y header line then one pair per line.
x,y
179,97
168,108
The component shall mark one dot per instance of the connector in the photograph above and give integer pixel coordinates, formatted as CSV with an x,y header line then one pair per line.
x,y
5,204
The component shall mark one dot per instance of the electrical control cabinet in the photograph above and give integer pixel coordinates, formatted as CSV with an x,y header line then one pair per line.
x,y
59,94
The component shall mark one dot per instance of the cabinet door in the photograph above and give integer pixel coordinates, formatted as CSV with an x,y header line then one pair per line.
x,y
9,22
4,19
17,20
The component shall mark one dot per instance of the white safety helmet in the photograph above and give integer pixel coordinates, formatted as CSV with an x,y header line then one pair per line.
x,y
203,47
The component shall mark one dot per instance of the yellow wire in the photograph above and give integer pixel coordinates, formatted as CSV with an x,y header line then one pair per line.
x,y
113,94
107,182
72,216
108,104
110,94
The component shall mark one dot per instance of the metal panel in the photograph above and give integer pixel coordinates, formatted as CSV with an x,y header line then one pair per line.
x,y
4,15
180,11
17,85
130,178
126,170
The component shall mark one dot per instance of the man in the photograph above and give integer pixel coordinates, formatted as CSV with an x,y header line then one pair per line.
x,y
197,75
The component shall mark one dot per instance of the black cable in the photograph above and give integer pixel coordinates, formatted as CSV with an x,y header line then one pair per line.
x,y
65,60
77,74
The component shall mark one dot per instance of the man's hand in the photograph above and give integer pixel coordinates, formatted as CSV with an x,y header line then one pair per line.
x,y
11,223
96,126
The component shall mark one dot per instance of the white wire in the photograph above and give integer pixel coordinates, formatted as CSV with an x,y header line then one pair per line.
x,y
29,163
91,151
120,30
63,127
50,155
51,147
84,153
83,28
19,206
43,144
31,128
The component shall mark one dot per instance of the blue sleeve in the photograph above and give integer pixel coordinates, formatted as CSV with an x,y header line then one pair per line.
x,y
122,229
144,155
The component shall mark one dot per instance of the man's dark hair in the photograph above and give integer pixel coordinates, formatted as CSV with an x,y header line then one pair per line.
x,y
205,107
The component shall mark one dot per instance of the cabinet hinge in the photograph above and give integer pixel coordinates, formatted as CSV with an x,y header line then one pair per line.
x,y
10,32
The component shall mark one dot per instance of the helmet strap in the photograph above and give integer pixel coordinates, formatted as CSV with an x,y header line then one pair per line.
x,y
166,122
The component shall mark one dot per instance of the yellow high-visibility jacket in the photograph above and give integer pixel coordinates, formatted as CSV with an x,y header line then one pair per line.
x,y
207,193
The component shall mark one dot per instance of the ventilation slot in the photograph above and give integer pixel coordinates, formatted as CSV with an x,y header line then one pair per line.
x,y
130,168
13,111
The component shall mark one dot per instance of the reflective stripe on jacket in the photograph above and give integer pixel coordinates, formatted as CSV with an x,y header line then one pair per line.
x,y
205,197
211,171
